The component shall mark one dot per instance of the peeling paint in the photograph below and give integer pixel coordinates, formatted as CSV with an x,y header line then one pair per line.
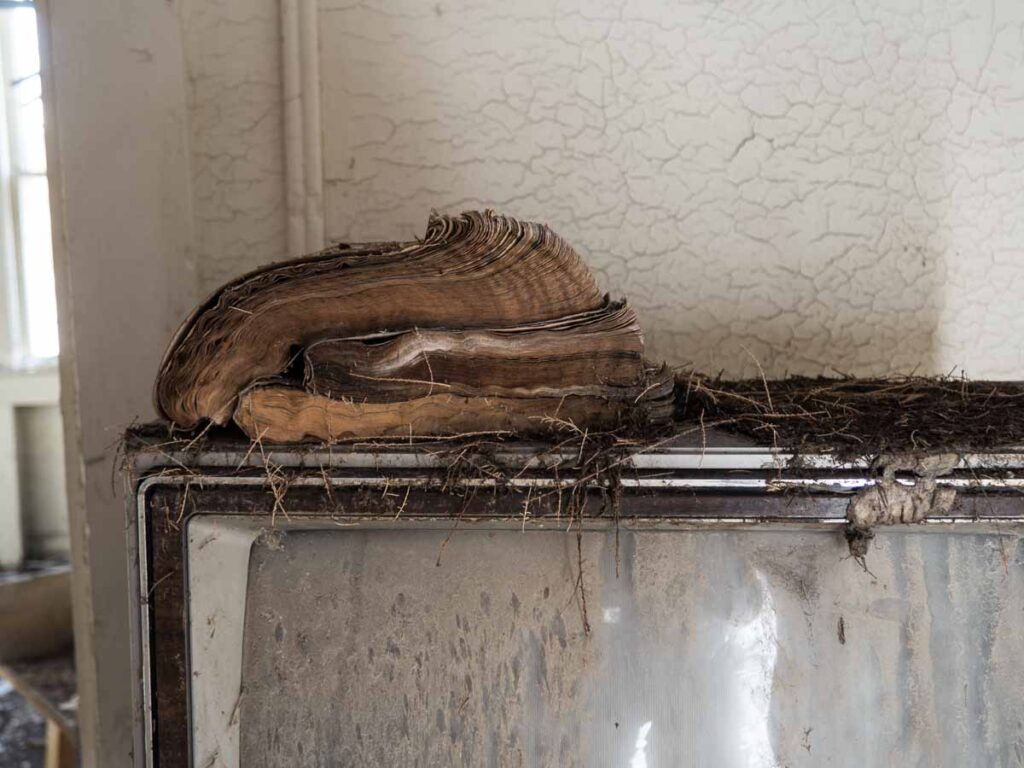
x,y
828,185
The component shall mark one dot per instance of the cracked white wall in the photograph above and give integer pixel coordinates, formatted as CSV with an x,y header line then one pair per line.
x,y
818,184
233,63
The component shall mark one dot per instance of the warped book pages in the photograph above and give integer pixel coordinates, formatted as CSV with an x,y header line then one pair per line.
x,y
486,324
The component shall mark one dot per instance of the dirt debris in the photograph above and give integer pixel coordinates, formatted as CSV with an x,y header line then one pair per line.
x,y
860,417
22,731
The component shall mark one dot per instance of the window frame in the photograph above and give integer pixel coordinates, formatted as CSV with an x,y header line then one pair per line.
x,y
15,347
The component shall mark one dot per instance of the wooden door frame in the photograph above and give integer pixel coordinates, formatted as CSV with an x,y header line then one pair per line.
x,y
116,110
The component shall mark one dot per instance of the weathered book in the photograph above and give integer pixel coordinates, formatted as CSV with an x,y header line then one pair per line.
x,y
487,324
593,353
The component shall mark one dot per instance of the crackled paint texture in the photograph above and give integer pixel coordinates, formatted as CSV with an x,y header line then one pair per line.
x,y
233,64
817,185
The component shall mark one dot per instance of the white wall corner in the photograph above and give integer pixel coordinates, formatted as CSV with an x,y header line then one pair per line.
x,y
17,390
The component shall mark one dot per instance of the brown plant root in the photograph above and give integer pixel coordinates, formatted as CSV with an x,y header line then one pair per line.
x,y
858,417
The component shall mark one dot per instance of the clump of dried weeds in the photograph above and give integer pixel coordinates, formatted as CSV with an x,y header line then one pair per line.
x,y
851,416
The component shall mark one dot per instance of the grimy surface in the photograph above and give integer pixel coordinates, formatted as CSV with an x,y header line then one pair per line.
x,y
713,648
899,414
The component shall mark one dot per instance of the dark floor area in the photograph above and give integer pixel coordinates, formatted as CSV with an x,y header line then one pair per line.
x,y
22,731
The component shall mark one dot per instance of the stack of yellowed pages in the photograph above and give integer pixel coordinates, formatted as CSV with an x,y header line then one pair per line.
x,y
487,324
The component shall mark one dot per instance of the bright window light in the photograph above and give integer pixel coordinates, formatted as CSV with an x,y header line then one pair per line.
x,y
32,316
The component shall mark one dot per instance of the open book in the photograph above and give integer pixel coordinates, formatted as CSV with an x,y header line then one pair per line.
x,y
486,324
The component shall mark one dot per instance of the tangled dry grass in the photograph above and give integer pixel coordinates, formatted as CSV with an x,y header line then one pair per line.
x,y
904,414
848,417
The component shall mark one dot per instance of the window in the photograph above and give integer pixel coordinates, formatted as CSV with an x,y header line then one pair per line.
x,y
29,324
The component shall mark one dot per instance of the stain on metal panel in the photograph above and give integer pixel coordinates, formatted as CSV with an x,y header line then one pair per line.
x,y
711,648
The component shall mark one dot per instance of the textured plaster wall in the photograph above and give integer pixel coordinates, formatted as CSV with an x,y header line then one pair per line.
x,y
815,184
233,64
